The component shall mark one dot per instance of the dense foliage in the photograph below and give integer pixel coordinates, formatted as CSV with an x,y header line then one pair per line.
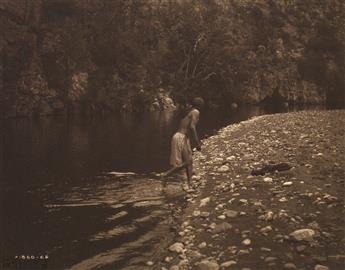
x,y
103,56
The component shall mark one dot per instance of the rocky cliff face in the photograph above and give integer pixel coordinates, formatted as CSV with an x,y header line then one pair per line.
x,y
61,56
25,89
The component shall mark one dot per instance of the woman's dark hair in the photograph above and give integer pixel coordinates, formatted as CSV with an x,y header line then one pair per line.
x,y
198,102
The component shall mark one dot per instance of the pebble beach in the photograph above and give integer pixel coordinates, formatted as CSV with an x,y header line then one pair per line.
x,y
291,218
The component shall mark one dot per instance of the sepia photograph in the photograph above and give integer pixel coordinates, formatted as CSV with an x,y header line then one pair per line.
x,y
172,134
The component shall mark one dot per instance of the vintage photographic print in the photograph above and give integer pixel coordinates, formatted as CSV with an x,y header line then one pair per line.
x,y
172,134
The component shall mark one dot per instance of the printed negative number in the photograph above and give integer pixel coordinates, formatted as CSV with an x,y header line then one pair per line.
x,y
31,257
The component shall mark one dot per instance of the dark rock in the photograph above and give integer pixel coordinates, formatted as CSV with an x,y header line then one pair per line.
x,y
271,168
57,105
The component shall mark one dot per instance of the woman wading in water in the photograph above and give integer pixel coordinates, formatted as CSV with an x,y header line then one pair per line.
x,y
181,156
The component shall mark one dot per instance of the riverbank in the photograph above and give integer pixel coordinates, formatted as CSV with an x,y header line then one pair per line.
x,y
288,219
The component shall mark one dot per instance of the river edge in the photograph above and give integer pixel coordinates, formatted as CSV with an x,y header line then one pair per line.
x,y
238,221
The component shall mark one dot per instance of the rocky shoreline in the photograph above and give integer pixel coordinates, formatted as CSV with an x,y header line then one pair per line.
x,y
288,219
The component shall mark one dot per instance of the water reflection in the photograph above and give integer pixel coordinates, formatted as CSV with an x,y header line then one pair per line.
x,y
124,213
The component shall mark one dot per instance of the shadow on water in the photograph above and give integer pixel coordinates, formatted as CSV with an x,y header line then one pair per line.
x,y
57,200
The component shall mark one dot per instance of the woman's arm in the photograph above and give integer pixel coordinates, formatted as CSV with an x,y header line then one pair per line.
x,y
194,121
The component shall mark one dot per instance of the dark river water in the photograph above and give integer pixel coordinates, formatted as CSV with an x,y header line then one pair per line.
x,y
57,200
